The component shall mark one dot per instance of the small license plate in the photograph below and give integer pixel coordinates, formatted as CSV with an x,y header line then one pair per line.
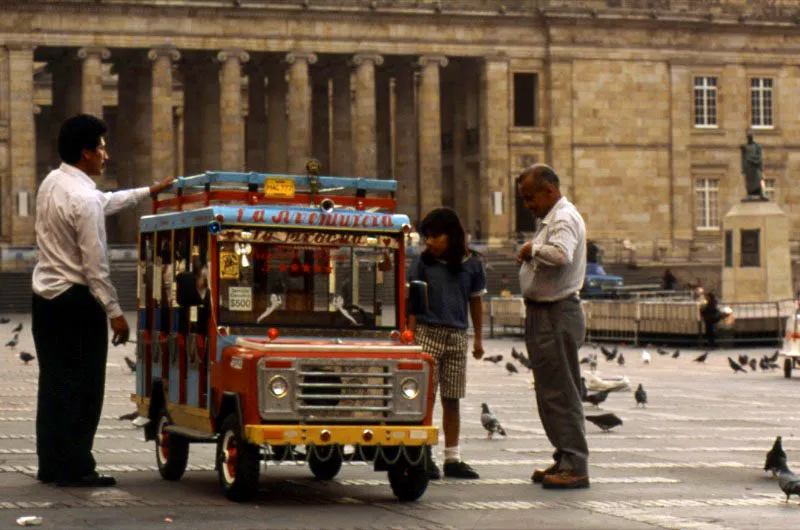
x,y
282,188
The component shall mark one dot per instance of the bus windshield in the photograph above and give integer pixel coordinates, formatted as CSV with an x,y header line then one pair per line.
x,y
307,279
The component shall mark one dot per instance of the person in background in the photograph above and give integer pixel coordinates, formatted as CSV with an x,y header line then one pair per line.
x,y
73,300
668,281
456,282
711,315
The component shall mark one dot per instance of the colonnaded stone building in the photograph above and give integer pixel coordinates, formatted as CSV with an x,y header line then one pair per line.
x,y
640,105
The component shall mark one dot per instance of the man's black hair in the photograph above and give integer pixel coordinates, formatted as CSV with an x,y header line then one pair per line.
x,y
540,173
78,133
445,221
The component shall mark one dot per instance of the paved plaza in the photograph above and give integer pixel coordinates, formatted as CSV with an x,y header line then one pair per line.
x,y
691,459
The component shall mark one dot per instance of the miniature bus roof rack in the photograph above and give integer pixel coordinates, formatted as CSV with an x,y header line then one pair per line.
x,y
263,188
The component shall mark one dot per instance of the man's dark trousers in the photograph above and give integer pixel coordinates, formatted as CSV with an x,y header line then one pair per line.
x,y
71,337
554,332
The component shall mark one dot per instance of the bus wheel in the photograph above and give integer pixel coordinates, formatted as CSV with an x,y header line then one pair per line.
x,y
238,462
172,450
408,483
325,461
787,368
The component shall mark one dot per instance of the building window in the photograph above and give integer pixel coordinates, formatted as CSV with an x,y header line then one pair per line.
x,y
706,199
761,102
769,189
525,86
705,102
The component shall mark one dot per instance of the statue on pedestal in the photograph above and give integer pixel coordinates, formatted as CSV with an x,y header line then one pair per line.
x,y
752,162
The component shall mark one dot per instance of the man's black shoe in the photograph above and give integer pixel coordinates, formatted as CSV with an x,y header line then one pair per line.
x,y
433,472
93,480
459,470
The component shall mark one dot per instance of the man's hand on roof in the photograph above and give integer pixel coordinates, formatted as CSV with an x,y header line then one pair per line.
x,y
158,187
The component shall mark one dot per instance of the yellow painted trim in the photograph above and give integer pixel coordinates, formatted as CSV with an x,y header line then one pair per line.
x,y
192,417
341,434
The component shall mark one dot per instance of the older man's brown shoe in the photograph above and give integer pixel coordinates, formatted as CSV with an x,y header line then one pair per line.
x,y
539,474
565,481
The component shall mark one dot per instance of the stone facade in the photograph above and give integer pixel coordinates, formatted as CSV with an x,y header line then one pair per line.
x,y
422,91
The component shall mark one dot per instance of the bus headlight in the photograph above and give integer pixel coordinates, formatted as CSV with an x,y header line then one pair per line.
x,y
278,386
410,388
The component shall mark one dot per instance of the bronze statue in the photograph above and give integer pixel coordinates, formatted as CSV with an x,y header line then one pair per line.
x,y
752,162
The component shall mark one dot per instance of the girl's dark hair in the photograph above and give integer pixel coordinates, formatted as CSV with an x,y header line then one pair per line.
x,y
78,133
445,221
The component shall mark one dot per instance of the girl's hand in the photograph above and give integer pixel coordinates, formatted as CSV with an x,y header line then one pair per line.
x,y
477,349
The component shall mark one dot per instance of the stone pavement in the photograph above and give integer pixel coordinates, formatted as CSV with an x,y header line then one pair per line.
x,y
691,459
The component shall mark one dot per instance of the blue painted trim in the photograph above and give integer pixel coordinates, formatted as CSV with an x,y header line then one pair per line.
x,y
300,181
277,216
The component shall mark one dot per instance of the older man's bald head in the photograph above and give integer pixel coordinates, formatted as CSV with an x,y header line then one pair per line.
x,y
541,173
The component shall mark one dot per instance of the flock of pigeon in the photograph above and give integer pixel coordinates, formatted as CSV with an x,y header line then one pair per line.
x,y
24,356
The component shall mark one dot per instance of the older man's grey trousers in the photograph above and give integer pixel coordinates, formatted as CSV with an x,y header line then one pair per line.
x,y
554,331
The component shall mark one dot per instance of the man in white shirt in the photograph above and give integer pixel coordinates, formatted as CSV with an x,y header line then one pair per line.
x,y
552,271
72,299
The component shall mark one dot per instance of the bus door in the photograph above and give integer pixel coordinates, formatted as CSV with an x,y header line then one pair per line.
x,y
144,315
196,321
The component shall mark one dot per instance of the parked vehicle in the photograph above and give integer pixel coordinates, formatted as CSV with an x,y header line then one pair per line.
x,y
271,322
598,284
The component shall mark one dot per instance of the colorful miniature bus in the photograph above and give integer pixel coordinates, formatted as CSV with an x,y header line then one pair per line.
x,y
272,322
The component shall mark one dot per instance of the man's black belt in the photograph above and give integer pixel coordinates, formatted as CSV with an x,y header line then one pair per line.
x,y
534,303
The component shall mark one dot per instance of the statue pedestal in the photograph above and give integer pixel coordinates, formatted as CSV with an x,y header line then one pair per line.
x,y
756,264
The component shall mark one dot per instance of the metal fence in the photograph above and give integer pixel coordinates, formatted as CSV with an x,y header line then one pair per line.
x,y
671,319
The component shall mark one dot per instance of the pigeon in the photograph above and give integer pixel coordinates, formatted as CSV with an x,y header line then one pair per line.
x,y
130,416
13,342
605,421
25,357
131,364
743,359
662,351
490,422
788,481
4,320
646,357
621,360
586,360
18,328
775,457
593,362
523,360
608,354
596,398
511,368
753,364
676,354
494,359
641,396
764,363
774,357
701,359
736,367
515,354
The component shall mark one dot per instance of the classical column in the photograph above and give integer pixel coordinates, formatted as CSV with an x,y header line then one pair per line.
x,y
494,175
383,125
162,136
430,133
405,126
256,122
299,103
20,184
91,79
230,106
342,155
277,120
320,136
365,157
